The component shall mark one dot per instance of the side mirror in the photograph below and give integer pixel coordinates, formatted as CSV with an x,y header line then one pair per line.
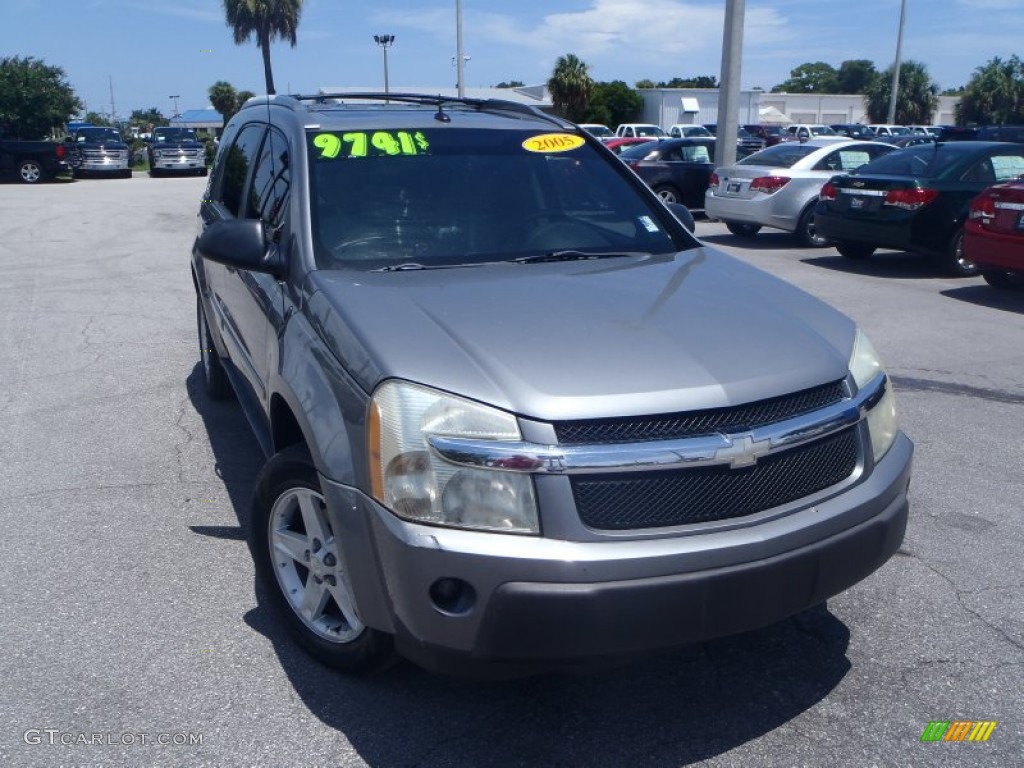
x,y
682,213
240,243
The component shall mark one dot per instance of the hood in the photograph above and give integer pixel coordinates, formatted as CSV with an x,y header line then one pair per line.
x,y
585,339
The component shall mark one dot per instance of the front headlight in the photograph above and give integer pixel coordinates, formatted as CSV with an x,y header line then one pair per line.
x,y
865,366
413,482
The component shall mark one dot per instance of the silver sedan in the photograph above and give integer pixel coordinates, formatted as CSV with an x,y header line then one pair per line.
x,y
778,186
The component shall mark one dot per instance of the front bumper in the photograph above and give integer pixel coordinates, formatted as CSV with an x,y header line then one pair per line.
x,y
541,602
177,163
107,164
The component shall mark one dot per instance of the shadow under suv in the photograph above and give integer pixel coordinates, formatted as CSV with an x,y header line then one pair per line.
x,y
517,416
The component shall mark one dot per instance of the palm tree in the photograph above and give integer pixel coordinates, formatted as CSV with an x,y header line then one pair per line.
x,y
571,86
916,99
264,20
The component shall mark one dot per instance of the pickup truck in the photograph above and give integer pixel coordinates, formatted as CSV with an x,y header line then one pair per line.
x,y
32,161
175,149
98,149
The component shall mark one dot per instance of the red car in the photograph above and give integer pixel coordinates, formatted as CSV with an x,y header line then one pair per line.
x,y
618,144
994,234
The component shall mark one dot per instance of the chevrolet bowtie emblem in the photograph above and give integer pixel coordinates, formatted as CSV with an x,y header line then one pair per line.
x,y
742,451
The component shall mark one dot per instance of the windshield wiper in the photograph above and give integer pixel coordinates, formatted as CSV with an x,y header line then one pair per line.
x,y
571,255
401,267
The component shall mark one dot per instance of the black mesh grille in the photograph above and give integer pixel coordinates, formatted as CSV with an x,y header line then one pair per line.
x,y
682,497
741,418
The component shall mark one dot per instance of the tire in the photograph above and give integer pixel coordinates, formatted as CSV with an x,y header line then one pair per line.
x,y
215,380
742,230
30,171
806,232
202,172
667,193
298,557
953,261
855,250
126,173
154,172
1007,281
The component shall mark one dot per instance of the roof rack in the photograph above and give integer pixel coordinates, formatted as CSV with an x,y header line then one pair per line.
x,y
439,101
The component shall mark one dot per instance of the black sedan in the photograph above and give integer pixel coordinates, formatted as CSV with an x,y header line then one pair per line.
x,y
915,199
677,169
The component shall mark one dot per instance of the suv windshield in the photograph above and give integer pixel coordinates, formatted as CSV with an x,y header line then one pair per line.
x,y
446,196
161,135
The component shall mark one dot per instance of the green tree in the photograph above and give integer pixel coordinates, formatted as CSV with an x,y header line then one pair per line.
x,y
571,86
35,98
264,20
916,100
97,119
812,77
147,118
226,100
855,75
613,103
994,94
701,81
510,84
645,83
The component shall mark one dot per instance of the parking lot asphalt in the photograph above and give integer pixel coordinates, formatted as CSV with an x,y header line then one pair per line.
x,y
130,617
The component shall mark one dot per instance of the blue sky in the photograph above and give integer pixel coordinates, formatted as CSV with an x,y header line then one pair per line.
x,y
153,49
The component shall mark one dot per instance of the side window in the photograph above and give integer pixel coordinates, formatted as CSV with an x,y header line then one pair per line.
x,y
980,172
239,159
1008,167
271,182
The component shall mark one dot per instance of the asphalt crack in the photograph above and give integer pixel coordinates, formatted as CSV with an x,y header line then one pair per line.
x,y
913,384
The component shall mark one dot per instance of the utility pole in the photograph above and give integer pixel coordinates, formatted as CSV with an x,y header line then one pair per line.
x,y
896,68
175,100
460,61
113,110
729,84
385,42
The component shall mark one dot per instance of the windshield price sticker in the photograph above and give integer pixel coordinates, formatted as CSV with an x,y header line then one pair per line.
x,y
553,142
375,144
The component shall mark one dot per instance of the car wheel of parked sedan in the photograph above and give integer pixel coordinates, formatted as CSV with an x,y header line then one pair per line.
x,y
855,250
299,557
954,261
742,230
30,172
807,233
215,380
667,193
1003,280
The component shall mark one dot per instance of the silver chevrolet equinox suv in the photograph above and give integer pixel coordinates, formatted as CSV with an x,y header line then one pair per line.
x,y
517,416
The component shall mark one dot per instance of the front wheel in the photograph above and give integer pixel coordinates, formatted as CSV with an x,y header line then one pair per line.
x,y
742,230
954,262
1003,280
807,232
298,555
855,250
667,193
30,172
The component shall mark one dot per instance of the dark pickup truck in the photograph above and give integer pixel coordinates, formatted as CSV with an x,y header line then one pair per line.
x,y
32,161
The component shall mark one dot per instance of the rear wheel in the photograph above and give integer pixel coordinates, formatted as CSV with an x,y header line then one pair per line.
x,y
855,250
806,231
299,557
742,230
215,380
1003,280
953,260
30,172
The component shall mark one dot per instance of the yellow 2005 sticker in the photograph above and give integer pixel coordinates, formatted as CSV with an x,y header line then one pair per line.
x,y
553,142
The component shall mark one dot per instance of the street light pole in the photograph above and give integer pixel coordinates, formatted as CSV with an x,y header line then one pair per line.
x,y
385,42
175,100
729,84
460,61
896,68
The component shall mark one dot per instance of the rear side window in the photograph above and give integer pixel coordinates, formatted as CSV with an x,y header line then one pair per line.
x,y
237,162
926,161
1007,167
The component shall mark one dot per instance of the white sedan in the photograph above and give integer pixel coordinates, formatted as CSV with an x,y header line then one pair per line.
x,y
778,186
